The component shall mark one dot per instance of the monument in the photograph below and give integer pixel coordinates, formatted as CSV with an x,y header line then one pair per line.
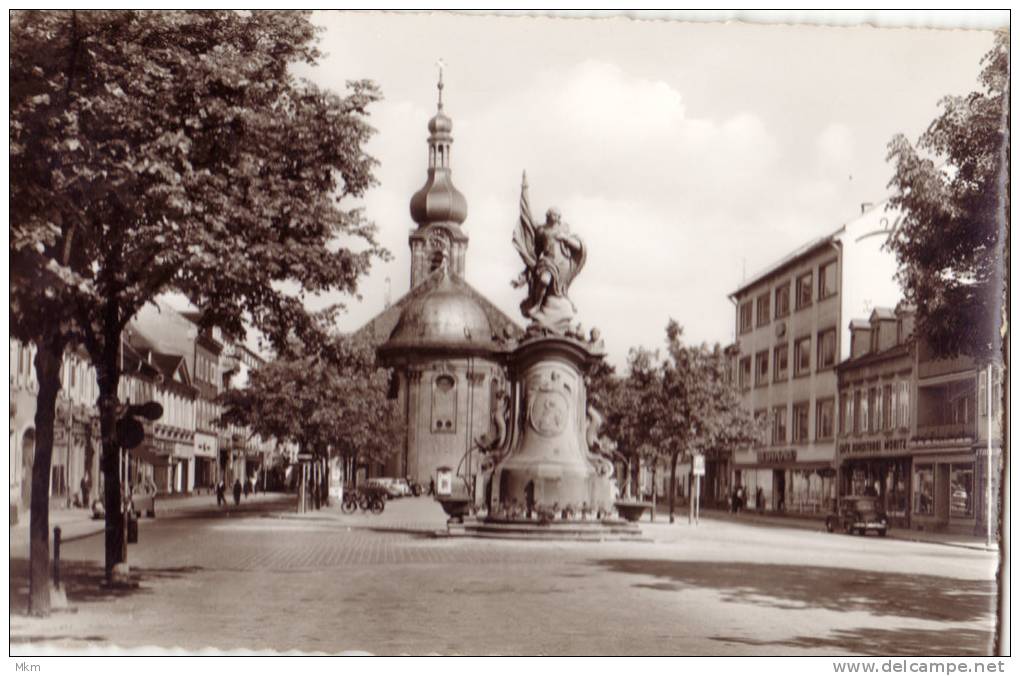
x,y
544,467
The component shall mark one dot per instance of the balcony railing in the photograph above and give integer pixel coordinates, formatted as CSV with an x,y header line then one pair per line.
x,y
951,431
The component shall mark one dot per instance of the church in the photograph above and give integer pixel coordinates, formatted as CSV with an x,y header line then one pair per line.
x,y
445,342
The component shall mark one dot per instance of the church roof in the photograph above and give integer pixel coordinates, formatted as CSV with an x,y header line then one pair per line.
x,y
446,288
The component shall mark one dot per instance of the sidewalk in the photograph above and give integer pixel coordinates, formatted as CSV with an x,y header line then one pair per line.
x,y
818,523
77,523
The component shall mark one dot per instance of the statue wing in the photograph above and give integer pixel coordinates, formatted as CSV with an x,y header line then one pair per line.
x,y
524,233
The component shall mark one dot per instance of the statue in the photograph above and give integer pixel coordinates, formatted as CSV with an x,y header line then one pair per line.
x,y
552,257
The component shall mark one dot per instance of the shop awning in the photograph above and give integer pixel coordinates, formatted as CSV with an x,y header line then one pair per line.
x,y
150,455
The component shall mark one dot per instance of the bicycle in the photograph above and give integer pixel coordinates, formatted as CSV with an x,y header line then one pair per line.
x,y
354,500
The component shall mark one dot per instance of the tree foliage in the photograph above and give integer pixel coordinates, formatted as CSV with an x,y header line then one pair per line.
x,y
174,151
328,407
952,189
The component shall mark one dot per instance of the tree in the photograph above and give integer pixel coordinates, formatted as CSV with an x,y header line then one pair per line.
x,y
171,151
628,405
700,411
953,193
330,408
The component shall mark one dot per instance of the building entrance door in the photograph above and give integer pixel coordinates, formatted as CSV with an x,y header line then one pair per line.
x,y
779,489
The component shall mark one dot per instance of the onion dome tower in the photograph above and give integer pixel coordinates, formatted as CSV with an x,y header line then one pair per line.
x,y
438,208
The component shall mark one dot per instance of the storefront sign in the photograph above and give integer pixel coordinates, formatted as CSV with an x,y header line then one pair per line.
x,y
777,457
873,446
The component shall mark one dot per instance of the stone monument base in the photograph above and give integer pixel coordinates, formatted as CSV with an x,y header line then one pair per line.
x,y
581,531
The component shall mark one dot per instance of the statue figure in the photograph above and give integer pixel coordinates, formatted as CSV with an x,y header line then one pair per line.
x,y
488,443
552,257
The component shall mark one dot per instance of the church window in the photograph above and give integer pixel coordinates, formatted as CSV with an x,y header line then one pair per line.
x,y
444,404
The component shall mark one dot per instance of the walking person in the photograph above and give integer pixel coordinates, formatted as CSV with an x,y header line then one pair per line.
x,y
237,491
759,500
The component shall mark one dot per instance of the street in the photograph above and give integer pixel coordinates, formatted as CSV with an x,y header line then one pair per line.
x,y
262,577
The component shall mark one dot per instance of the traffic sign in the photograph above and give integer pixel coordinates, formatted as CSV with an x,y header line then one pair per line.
x,y
699,465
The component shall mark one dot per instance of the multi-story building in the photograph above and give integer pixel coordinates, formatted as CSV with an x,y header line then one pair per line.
x,y
790,326
242,453
76,444
914,430
958,426
205,369
876,413
174,433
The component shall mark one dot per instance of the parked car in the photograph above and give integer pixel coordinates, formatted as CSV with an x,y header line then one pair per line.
x,y
858,514
395,488
405,488
382,486
143,499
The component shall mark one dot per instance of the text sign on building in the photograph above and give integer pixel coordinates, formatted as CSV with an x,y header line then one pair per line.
x,y
699,465
873,446
777,457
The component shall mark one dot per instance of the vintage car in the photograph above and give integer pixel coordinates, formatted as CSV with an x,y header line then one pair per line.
x,y
858,514
380,486
143,499
395,488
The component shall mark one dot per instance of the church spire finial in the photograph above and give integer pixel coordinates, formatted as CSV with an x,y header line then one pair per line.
x,y
440,64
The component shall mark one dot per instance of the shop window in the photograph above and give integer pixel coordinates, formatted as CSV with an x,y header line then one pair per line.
x,y
800,422
783,300
826,349
764,311
924,489
745,317
961,490
802,356
745,373
827,280
779,425
825,411
804,291
781,359
761,369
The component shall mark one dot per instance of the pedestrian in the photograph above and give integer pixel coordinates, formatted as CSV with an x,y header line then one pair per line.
x,y
221,493
432,486
739,501
247,487
237,491
86,489
759,500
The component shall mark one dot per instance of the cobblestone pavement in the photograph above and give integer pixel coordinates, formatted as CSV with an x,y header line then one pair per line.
x,y
262,578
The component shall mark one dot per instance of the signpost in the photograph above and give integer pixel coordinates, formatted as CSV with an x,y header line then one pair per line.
x,y
697,471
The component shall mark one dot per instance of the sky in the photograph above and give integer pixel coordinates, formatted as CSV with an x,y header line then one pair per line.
x,y
686,155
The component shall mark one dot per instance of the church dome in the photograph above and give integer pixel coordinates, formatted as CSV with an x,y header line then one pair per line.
x,y
440,124
445,316
438,201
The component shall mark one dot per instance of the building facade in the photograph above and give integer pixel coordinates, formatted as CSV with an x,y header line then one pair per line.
x,y
443,339
790,336
956,439
876,411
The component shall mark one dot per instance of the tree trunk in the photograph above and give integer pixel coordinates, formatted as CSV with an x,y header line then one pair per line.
x,y
109,379
672,483
48,359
